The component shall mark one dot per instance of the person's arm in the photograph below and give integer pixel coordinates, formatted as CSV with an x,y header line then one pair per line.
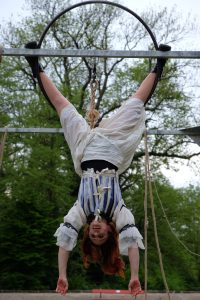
x,y
134,260
146,86
54,95
62,283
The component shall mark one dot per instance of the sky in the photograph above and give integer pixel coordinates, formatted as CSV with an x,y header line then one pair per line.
x,y
15,10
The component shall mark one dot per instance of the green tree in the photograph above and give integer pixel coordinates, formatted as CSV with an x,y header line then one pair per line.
x,y
38,183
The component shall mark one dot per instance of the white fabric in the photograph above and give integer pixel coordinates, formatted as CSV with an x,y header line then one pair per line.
x,y
115,140
67,237
131,236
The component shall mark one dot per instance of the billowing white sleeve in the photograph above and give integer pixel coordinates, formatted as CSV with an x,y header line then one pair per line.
x,y
67,232
129,235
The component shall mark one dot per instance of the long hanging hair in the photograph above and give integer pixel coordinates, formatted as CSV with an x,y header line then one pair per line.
x,y
107,254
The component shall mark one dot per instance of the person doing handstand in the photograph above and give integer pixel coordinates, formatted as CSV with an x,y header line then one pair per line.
x,y
100,155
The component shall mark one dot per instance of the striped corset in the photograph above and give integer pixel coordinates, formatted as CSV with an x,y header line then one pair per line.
x,y
99,193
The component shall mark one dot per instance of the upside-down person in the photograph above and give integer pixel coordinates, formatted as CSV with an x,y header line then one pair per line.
x,y
100,155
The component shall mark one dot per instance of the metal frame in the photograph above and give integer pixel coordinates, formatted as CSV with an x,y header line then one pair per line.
x,y
193,133
187,131
83,3
100,53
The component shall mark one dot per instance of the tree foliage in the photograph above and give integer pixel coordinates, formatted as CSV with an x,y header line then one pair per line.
x,y
38,184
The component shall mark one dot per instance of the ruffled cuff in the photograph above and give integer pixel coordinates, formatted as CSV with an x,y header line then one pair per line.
x,y
130,237
66,237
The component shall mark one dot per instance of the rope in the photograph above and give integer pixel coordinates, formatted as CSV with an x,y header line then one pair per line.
x,y
170,227
92,115
148,176
1,52
145,225
2,145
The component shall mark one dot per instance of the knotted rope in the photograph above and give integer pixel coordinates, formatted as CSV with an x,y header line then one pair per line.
x,y
92,115
148,185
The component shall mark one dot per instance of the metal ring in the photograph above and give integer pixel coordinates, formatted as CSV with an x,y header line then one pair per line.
x,y
96,2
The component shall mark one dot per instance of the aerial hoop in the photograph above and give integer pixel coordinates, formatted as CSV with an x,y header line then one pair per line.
x,y
98,2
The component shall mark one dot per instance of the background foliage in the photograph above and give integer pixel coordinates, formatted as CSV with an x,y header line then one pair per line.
x,y
37,180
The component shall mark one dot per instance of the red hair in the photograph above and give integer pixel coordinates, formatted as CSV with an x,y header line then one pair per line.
x,y
106,254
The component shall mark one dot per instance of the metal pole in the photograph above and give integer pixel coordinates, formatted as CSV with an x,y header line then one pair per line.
x,y
193,133
99,53
60,130
31,130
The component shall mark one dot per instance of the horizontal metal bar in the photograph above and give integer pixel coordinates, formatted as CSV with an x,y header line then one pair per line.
x,y
60,130
173,132
32,130
99,53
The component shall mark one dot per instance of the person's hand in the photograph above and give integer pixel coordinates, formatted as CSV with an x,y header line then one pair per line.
x,y
161,61
33,60
135,287
62,285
